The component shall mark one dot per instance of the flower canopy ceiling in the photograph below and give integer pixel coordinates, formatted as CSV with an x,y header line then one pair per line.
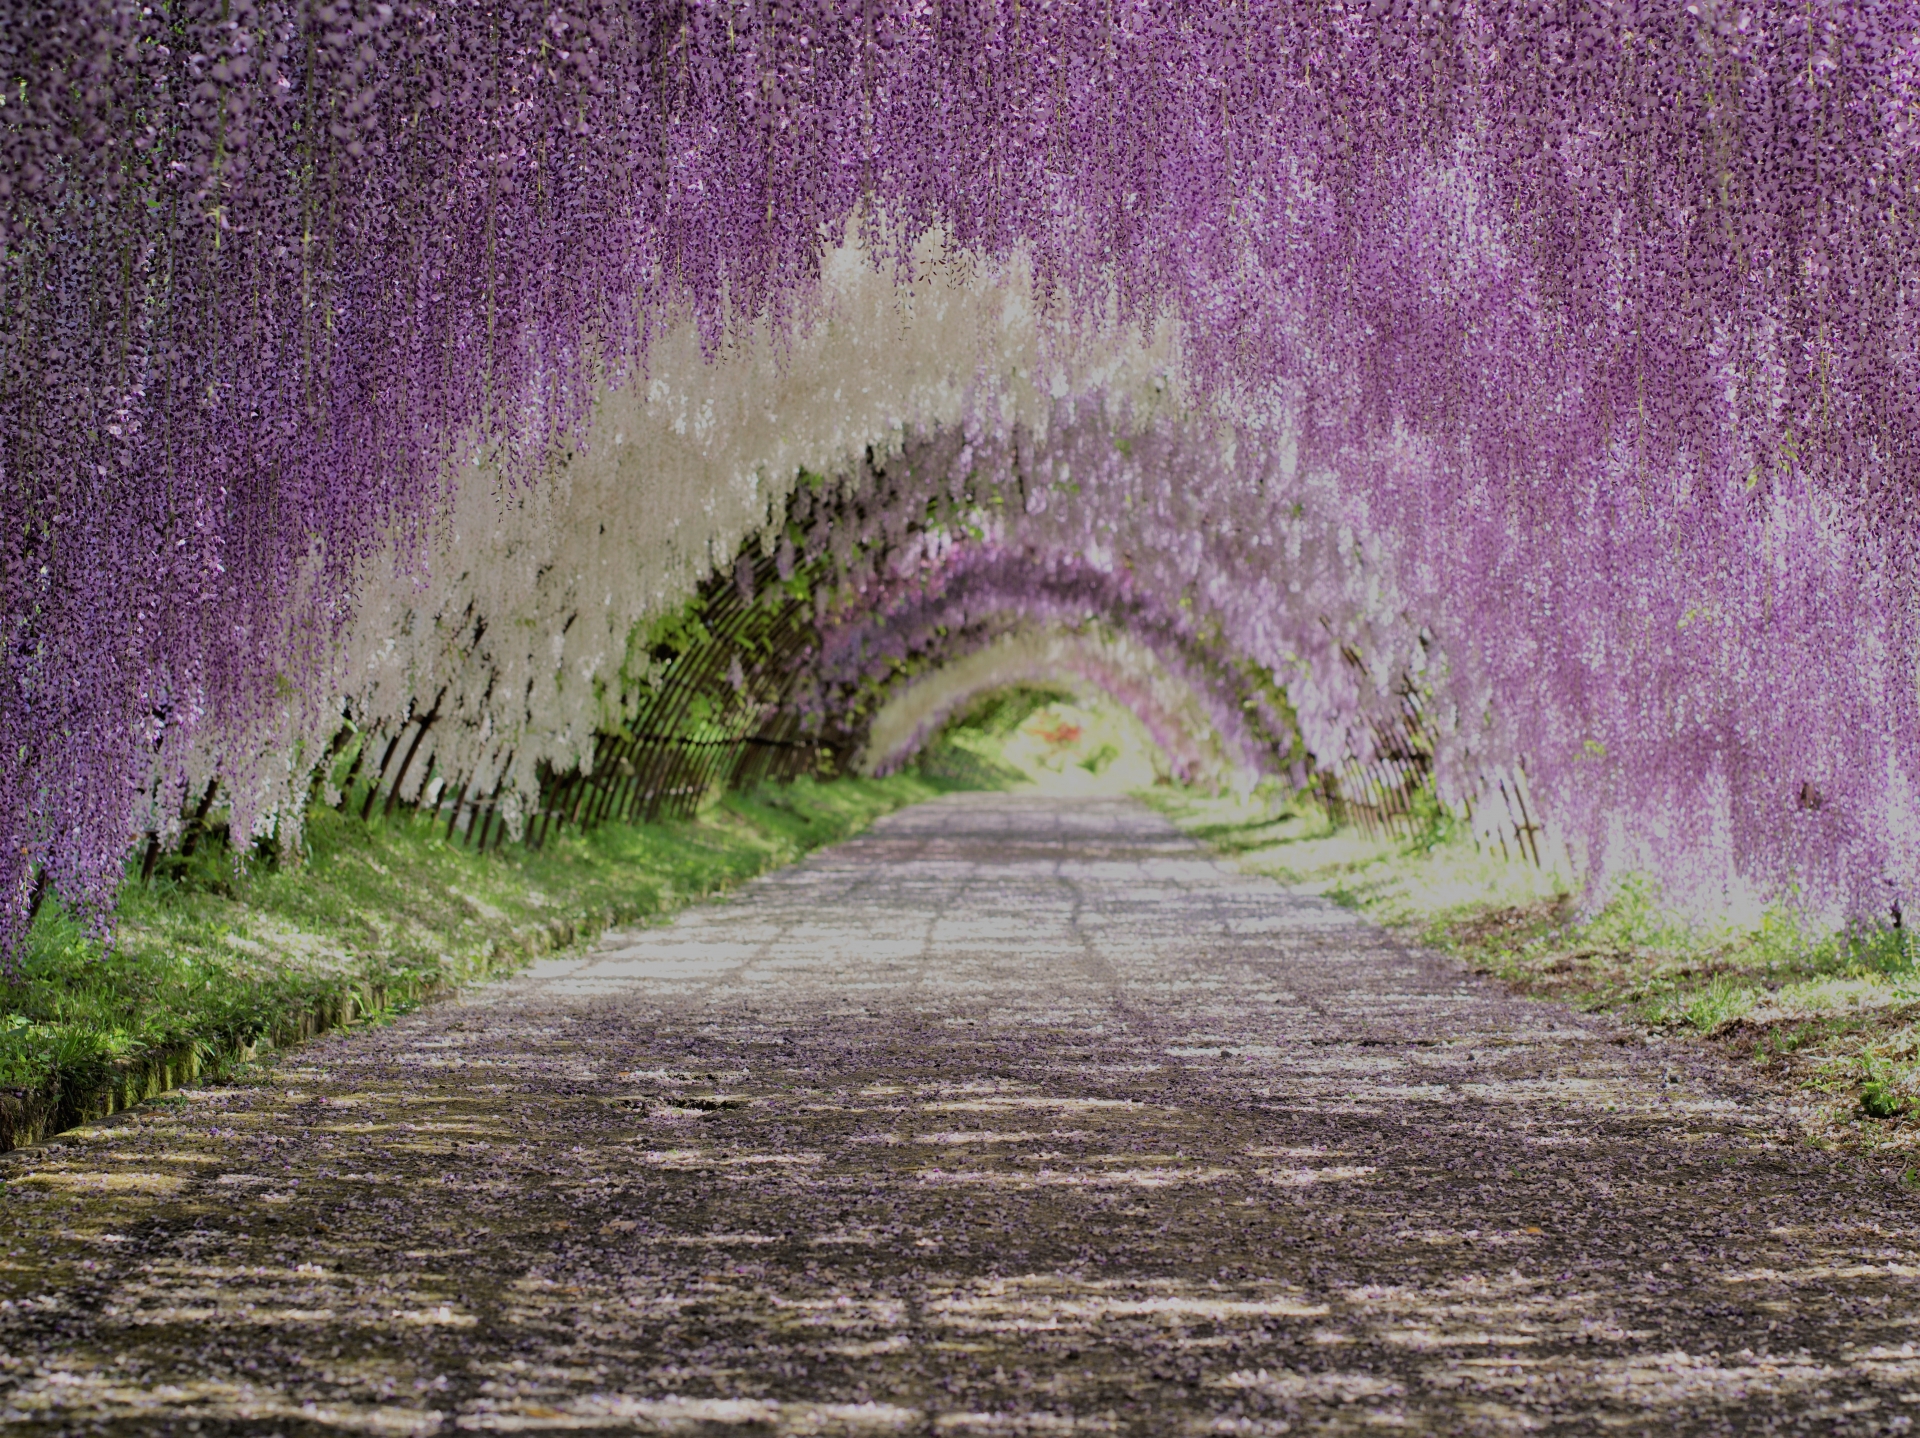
x,y
1555,360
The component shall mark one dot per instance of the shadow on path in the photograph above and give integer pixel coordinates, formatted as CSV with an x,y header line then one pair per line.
x,y
1013,1116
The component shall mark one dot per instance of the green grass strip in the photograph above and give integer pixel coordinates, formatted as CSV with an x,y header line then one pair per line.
x,y
1831,1018
214,957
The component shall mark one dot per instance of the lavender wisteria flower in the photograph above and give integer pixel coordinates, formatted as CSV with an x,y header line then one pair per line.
x,y
1581,337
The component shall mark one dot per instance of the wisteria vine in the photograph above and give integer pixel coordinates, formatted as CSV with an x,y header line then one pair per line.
x,y
1593,319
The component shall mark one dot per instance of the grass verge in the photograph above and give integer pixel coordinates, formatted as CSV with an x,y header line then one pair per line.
x,y
215,960
1832,1019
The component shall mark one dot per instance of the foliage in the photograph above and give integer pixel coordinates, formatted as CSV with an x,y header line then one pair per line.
x,y
998,713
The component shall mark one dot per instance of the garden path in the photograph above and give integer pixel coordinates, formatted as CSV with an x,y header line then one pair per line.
x,y
1012,1116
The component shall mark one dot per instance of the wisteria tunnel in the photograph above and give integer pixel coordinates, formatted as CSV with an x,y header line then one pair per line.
x,y
1474,429
399,365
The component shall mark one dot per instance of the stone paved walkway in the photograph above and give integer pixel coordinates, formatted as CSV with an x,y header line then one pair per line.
x,y
1012,1117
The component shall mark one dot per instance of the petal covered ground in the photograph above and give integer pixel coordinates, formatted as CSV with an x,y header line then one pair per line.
x,y
1014,1116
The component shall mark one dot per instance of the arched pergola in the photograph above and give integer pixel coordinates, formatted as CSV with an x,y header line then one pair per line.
x,y
1512,373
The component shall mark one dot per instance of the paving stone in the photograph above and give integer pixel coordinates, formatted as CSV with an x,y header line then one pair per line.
x,y
1013,1116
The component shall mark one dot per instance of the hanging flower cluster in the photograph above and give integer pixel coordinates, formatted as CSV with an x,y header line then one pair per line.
x,y
969,539
1595,324
521,617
